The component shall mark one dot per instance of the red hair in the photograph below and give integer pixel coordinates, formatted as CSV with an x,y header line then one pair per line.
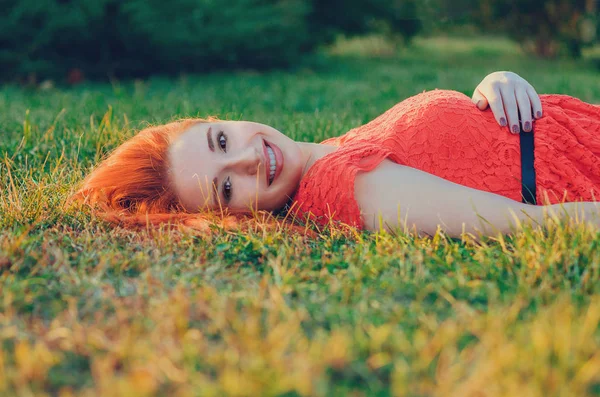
x,y
132,188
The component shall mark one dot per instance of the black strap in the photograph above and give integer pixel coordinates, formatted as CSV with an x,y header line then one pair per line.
x,y
527,170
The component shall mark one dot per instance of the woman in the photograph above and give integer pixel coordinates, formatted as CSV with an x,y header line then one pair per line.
x,y
434,160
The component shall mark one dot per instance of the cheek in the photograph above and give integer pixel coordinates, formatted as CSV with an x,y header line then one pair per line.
x,y
244,193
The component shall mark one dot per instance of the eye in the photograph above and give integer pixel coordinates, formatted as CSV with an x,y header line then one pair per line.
x,y
227,189
222,138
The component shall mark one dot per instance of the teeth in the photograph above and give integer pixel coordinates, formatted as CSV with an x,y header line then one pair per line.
x,y
273,164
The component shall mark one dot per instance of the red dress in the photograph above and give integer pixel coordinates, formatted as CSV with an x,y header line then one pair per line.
x,y
443,133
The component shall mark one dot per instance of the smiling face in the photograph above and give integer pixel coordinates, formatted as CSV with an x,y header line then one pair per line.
x,y
239,165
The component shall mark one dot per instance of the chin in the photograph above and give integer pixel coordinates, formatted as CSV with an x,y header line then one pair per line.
x,y
274,207
278,203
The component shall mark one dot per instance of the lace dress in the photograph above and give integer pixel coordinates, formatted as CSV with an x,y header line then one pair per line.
x,y
441,132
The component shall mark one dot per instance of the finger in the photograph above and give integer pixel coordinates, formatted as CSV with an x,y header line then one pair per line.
x,y
524,109
479,100
495,101
510,107
536,103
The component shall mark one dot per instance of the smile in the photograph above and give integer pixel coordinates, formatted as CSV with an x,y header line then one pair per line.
x,y
273,164
273,160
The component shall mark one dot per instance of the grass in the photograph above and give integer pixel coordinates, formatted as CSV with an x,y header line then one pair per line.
x,y
90,310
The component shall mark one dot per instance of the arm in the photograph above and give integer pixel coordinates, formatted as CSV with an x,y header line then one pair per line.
x,y
509,95
407,197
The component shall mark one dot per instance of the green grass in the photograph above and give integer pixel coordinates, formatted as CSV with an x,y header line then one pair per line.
x,y
90,310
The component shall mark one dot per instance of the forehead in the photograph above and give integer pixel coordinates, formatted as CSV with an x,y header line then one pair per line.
x,y
191,170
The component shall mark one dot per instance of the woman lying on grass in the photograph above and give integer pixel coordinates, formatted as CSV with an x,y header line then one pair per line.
x,y
438,159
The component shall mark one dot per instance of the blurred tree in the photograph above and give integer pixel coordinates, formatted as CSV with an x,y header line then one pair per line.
x,y
439,15
45,36
403,18
103,38
397,17
544,27
204,34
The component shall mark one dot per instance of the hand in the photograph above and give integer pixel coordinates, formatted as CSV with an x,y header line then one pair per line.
x,y
508,94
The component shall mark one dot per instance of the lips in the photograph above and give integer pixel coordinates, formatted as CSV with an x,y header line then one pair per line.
x,y
278,160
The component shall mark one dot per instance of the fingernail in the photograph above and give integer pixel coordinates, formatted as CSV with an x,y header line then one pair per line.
x,y
478,102
515,129
527,126
538,114
502,121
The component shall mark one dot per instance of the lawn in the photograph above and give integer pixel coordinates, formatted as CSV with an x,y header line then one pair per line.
x,y
88,309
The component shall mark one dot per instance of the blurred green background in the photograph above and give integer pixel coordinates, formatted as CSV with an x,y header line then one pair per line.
x,y
68,40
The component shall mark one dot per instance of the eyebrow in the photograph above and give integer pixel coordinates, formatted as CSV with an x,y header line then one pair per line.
x,y
211,144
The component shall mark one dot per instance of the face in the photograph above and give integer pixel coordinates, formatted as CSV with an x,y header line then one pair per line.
x,y
238,165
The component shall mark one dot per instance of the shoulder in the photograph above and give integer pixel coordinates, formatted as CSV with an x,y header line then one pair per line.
x,y
326,192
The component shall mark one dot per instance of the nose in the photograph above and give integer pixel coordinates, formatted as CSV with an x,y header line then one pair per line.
x,y
247,161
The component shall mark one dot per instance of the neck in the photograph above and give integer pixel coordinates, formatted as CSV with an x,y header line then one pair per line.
x,y
311,152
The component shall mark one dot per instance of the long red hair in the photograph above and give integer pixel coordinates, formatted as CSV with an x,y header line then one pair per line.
x,y
132,188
